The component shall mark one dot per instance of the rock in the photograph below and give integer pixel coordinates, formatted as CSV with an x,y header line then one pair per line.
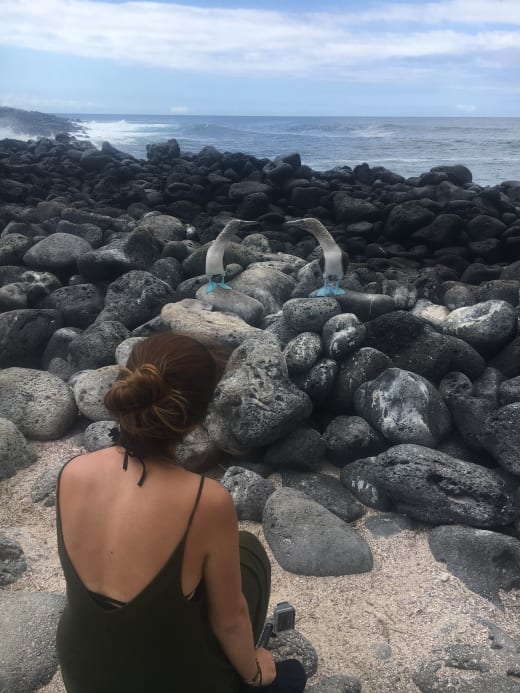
x,y
78,305
307,539
135,298
406,218
310,314
411,344
44,487
124,349
12,561
59,251
248,309
318,381
469,668
485,561
509,391
486,326
343,334
302,352
350,209
255,402
350,438
162,227
430,312
432,487
15,454
249,492
90,388
265,284
197,319
327,491
366,306
507,361
13,247
290,644
98,435
24,335
96,346
404,407
303,449
28,622
169,270
501,436
89,232
362,366
39,404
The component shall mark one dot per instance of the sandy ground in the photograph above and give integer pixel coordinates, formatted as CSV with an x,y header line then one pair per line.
x,y
378,626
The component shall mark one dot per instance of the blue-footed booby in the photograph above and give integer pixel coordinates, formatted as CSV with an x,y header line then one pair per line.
x,y
215,256
335,260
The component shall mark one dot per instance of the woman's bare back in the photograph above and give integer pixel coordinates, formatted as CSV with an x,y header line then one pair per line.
x,y
119,535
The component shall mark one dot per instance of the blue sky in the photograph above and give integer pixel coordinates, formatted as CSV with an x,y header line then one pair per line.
x,y
262,57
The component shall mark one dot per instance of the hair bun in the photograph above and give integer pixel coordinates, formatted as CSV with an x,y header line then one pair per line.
x,y
139,388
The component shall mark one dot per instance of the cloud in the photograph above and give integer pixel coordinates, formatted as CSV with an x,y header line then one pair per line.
x,y
371,45
466,107
179,110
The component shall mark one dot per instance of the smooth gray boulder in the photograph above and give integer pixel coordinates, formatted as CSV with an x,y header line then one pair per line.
x,y
485,561
431,486
249,491
28,622
15,454
124,349
404,407
265,284
12,560
199,319
307,539
90,388
40,404
327,491
245,307
255,402
56,252
486,326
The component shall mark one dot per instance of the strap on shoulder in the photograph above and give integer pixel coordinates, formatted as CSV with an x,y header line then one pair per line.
x,y
197,499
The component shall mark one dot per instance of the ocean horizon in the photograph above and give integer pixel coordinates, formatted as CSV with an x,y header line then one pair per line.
x,y
407,145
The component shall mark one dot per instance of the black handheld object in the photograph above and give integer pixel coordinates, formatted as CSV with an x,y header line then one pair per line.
x,y
284,617
266,634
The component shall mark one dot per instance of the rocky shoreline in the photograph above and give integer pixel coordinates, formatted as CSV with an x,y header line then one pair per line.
x,y
407,380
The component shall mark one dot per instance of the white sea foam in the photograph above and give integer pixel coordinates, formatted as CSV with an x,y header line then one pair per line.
x,y
6,132
122,132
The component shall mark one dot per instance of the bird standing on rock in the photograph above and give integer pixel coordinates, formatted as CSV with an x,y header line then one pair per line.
x,y
215,257
335,260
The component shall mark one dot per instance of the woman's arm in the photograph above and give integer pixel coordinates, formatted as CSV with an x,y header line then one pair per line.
x,y
228,610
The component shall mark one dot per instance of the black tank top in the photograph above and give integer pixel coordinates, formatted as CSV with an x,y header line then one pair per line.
x,y
159,642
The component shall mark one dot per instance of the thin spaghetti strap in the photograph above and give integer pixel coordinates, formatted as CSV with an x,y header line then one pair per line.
x,y
199,493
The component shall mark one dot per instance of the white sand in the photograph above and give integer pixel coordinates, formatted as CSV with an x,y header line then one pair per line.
x,y
408,602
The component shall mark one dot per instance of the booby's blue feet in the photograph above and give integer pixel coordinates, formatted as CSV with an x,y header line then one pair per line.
x,y
328,289
216,280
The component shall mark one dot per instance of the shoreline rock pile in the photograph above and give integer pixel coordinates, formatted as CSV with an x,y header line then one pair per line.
x,y
409,382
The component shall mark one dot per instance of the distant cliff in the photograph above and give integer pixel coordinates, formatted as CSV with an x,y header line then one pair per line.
x,y
36,123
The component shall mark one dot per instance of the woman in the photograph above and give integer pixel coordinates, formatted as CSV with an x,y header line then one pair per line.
x,y
164,594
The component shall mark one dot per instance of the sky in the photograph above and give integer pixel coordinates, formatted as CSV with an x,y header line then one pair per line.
x,y
262,57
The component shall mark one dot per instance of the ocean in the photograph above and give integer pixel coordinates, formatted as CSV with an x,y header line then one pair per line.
x,y
489,147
